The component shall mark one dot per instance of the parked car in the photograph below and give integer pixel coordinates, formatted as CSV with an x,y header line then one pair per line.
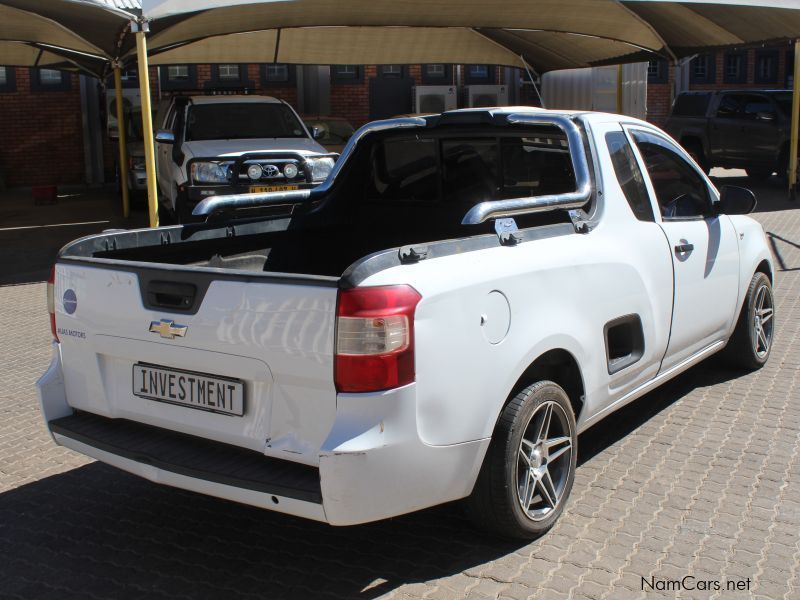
x,y
332,132
137,172
439,320
210,145
746,129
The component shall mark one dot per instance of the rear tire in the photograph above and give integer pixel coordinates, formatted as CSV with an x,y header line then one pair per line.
x,y
528,471
751,343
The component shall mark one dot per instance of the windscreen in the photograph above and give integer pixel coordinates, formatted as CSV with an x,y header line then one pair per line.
x,y
471,169
242,120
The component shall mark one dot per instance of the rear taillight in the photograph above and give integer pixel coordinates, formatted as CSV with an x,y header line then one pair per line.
x,y
51,302
375,338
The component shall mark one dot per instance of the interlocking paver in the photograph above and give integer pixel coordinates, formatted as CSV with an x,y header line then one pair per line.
x,y
700,477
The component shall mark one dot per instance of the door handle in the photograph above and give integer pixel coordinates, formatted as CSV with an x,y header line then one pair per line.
x,y
684,248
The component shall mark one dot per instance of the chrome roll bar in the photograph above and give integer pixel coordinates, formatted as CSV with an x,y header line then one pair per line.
x,y
494,209
215,204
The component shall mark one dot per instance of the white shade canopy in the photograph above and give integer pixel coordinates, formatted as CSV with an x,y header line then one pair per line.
x,y
548,34
70,34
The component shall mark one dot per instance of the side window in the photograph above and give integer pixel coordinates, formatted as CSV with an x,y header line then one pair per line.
x,y
680,190
729,107
755,106
629,175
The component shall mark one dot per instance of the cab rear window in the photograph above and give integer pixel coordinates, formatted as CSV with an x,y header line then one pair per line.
x,y
469,170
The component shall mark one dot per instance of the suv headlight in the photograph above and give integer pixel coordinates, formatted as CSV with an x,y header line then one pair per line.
x,y
320,168
210,172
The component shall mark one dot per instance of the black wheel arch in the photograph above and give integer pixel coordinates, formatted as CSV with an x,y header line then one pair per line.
x,y
559,366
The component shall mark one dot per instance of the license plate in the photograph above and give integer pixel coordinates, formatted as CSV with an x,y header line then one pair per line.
x,y
260,189
188,388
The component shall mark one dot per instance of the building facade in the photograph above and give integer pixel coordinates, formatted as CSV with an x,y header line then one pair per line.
x,y
53,122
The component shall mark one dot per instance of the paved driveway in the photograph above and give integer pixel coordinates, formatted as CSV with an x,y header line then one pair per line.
x,y
699,478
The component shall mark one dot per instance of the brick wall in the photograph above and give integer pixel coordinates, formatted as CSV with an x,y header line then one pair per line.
x,y
41,134
42,130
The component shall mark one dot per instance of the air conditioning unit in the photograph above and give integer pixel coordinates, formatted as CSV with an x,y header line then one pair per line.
x,y
435,98
479,96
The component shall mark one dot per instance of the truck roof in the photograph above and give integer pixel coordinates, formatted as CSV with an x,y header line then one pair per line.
x,y
737,91
237,98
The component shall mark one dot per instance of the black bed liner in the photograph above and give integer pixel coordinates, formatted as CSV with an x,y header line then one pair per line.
x,y
193,456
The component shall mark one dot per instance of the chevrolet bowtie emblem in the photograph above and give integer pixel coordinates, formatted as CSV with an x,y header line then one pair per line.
x,y
167,329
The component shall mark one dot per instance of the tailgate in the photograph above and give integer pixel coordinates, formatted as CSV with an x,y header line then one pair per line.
x,y
248,363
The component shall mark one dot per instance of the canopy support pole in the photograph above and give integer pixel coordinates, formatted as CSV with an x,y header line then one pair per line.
x,y
619,90
792,172
123,148
528,70
147,121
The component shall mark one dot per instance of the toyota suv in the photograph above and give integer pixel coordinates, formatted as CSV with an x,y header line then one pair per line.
x,y
212,145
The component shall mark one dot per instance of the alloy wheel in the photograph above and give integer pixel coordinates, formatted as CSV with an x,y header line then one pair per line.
x,y
762,321
544,461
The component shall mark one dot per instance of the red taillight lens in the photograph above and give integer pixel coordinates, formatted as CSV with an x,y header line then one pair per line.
x,y
51,302
375,338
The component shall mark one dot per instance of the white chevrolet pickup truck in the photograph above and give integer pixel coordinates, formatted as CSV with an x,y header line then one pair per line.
x,y
439,320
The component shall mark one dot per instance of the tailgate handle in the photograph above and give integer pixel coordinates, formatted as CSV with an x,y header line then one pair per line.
x,y
168,294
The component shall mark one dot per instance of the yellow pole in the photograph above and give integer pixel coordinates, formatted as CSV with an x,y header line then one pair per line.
x,y
147,127
619,89
123,148
795,115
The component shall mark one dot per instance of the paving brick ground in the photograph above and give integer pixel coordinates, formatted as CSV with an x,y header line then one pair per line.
x,y
699,478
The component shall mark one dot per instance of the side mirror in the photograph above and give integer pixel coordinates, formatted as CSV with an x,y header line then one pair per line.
x,y
735,200
316,132
765,116
165,137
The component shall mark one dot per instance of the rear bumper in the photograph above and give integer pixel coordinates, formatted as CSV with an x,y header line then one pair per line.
x,y
372,466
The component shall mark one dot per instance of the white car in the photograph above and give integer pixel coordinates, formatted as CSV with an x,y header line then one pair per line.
x,y
439,320
232,144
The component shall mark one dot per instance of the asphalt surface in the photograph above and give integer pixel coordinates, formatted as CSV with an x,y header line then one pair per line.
x,y
700,478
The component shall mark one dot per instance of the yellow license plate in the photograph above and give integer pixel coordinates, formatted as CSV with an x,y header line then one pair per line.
x,y
260,189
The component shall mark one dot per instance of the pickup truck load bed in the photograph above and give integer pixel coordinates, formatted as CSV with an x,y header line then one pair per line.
x,y
437,321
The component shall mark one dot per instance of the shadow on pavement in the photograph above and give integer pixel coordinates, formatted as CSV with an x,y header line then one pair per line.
x,y
31,235
774,238
95,531
771,194
628,418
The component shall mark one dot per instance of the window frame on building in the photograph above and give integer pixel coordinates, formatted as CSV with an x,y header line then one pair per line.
x,y
268,82
339,78
488,79
37,85
710,76
741,77
445,79
772,76
168,83
10,83
400,72
219,82
661,74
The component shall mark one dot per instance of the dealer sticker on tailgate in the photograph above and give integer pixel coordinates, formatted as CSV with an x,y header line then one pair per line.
x,y
188,388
